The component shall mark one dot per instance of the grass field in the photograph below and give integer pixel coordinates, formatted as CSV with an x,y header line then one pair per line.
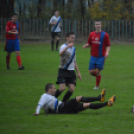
x,y
20,91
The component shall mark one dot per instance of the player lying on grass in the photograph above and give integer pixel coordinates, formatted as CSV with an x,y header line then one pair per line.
x,y
50,103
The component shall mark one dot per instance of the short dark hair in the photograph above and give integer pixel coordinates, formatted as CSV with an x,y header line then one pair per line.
x,y
97,20
48,86
56,11
14,14
69,33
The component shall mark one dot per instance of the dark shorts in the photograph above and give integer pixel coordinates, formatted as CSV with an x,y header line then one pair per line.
x,y
69,107
55,34
66,76
96,62
12,45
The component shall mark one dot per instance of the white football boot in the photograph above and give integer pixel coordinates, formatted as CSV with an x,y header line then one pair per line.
x,y
96,87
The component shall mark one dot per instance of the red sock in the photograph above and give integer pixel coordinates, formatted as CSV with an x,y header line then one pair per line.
x,y
8,60
98,79
18,60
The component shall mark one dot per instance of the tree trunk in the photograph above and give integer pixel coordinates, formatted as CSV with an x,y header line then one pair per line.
x,y
10,8
39,8
3,8
82,8
6,9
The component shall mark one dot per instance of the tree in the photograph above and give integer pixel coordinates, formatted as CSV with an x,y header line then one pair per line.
x,y
22,6
39,8
6,8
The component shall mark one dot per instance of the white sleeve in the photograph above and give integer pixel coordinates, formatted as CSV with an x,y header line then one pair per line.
x,y
51,20
62,47
43,100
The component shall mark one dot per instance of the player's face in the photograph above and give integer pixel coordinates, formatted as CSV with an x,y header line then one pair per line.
x,y
57,13
98,26
14,18
53,90
71,39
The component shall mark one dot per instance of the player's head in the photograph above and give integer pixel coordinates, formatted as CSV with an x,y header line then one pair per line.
x,y
50,88
14,17
56,13
70,37
98,25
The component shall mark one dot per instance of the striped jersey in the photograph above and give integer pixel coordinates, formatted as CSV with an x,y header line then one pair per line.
x,y
10,26
98,43
68,59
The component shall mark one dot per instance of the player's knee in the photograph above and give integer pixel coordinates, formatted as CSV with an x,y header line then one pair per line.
x,y
98,72
71,89
86,105
8,54
17,53
62,89
91,72
78,99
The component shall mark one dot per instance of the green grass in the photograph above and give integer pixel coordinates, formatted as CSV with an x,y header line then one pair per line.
x,y
21,90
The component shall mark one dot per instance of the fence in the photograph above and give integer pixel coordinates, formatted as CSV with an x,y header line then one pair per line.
x,y
40,28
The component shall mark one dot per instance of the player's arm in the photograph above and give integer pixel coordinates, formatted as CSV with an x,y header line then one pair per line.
x,y
107,52
88,42
107,42
64,49
8,29
52,22
43,100
77,70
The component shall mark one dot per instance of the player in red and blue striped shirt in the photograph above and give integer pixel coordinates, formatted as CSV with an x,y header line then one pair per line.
x,y
12,41
100,47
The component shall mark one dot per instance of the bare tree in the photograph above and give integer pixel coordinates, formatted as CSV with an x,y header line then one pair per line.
x,y
22,6
3,8
39,8
6,8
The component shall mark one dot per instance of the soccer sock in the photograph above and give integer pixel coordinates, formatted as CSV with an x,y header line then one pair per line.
x,y
90,99
57,93
8,60
67,96
52,44
97,105
19,60
98,79
57,43
79,107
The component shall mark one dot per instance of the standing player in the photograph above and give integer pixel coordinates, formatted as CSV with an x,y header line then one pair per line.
x,y
12,41
68,65
55,21
98,41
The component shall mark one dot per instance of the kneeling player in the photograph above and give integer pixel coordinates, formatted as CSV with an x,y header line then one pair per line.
x,y
50,103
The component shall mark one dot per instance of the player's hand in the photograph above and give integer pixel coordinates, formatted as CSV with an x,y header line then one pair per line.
x,y
55,22
79,76
84,46
35,114
70,44
16,32
107,54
